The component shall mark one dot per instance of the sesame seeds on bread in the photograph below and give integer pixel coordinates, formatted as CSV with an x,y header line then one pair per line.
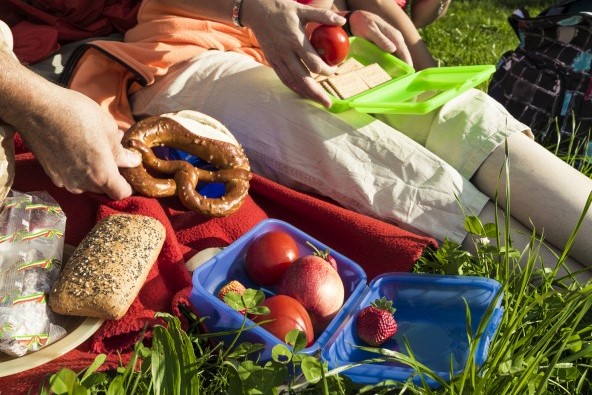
x,y
107,270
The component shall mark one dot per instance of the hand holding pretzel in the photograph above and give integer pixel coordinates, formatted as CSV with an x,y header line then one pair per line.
x,y
201,136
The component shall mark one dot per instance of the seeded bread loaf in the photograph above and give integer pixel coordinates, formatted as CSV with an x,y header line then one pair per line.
x,y
106,271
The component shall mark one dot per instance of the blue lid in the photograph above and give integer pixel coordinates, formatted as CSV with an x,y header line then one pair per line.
x,y
431,317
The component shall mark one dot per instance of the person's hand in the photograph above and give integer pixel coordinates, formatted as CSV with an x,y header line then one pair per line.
x,y
281,34
375,29
79,146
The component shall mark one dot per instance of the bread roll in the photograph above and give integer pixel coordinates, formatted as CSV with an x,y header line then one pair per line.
x,y
106,271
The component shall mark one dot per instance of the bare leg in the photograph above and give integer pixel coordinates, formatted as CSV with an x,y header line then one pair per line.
x,y
544,192
396,16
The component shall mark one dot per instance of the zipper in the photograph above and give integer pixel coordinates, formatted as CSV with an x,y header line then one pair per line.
x,y
73,60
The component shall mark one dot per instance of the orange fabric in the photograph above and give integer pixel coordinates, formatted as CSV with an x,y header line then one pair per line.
x,y
164,36
107,82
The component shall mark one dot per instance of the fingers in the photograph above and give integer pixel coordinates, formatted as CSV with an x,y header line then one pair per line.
x,y
117,187
319,15
400,50
127,158
386,37
112,183
101,176
294,75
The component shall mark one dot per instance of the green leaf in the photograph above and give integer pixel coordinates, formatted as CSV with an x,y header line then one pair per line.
x,y
297,339
262,379
258,310
473,225
95,379
117,386
166,370
253,297
312,369
281,354
234,300
64,381
97,363
246,348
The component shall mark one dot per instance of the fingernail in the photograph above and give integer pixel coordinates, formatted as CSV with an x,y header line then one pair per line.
x,y
338,18
134,158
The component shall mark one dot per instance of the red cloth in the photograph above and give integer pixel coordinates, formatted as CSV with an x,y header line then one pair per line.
x,y
377,246
39,27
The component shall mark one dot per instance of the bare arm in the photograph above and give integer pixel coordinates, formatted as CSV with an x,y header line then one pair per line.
x,y
424,12
279,26
390,11
76,142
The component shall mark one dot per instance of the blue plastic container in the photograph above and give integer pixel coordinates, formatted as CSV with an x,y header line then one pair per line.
x,y
431,316
431,312
230,265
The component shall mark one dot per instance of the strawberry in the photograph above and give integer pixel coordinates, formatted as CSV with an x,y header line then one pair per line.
x,y
233,286
376,323
323,254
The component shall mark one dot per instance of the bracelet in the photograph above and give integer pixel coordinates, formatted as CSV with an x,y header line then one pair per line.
x,y
346,26
236,10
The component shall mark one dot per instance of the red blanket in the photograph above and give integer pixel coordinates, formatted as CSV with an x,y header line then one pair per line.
x,y
377,246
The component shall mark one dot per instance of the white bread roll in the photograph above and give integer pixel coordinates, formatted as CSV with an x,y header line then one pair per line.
x,y
107,270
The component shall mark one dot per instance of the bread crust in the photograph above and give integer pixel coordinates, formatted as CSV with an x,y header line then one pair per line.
x,y
107,270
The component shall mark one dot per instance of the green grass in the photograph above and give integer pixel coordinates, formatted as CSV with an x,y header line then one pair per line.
x,y
544,344
475,31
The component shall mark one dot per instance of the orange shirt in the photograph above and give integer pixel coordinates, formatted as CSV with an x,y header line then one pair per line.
x,y
163,37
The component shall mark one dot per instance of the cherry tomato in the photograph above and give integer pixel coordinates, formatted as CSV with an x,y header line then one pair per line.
x,y
269,256
331,42
287,314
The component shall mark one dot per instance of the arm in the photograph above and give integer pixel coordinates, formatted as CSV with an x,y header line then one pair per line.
x,y
390,11
76,142
424,12
279,26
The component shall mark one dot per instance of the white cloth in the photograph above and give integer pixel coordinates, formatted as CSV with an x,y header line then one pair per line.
x,y
360,162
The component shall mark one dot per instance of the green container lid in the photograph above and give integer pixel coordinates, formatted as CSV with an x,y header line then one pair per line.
x,y
408,92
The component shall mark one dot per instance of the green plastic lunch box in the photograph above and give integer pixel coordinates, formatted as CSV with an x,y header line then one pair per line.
x,y
408,92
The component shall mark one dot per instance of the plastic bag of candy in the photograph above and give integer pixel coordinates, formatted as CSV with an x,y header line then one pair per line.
x,y
31,248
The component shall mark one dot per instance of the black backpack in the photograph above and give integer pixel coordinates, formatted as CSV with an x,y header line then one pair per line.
x,y
546,81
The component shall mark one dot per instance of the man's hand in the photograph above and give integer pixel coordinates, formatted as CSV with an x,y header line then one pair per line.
x,y
79,146
76,141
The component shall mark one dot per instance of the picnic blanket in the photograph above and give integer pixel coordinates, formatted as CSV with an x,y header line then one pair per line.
x,y
377,246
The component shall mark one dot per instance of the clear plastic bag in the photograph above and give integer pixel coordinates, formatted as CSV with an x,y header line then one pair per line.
x,y
31,247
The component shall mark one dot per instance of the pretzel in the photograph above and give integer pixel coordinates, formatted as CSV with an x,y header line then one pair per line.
x,y
201,136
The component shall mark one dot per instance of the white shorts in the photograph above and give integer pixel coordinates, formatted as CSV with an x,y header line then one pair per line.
x,y
362,163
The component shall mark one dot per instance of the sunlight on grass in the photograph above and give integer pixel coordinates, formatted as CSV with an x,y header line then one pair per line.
x,y
475,32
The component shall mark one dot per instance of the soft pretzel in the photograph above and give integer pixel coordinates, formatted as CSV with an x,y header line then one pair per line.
x,y
201,136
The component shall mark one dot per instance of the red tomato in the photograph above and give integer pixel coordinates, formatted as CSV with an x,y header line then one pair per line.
x,y
287,314
331,42
269,256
